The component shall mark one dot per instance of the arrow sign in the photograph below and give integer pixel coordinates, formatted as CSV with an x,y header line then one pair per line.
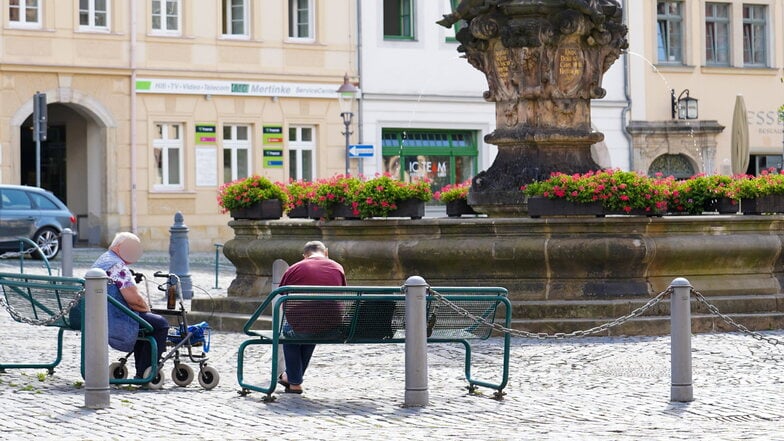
x,y
360,150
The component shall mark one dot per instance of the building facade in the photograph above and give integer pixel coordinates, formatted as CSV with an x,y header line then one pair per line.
x,y
711,51
152,105
422,107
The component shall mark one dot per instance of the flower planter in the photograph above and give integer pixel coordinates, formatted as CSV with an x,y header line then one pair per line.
x,y
341,210
266,209
634,212
300,212
773,203
413,208
459,207
540,206
727,206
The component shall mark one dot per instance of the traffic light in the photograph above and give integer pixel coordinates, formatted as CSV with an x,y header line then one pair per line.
x,y
39,117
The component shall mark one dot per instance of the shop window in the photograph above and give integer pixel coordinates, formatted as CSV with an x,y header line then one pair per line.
x,y
669,20
717,34
166,16
443,157
677,166
94,15
301,19
755,24
760,163
236,152
167,147
235,18
399,19
302,146
24,13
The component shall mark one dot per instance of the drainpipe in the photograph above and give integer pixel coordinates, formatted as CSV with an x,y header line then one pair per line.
x,y
627,92
132,7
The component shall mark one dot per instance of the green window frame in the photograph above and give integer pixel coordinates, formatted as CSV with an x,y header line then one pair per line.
x,y
398,20
458,146
457,26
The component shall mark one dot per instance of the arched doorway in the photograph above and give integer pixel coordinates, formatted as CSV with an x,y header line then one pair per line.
x,y
73,159
677,166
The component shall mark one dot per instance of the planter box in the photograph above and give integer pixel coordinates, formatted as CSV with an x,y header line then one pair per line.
x,y
540,206
300,212
727,206
773,203
267,209
458,208
343,211
413,208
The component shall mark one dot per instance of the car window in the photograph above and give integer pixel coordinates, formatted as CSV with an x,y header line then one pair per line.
x,y
15,200
43,202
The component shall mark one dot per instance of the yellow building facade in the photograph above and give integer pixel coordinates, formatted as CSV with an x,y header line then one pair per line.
x,y
152,105
711,51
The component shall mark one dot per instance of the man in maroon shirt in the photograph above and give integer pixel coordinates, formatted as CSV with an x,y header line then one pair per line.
x,y
312,318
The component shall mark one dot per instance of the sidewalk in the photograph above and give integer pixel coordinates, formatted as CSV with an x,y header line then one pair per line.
x,y
588,389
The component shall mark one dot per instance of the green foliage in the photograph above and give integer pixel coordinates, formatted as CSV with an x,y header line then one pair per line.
x,y
379,196
299,193
247,192
454,192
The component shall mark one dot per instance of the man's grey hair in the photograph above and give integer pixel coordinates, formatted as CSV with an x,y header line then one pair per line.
x,y
122,237
314,246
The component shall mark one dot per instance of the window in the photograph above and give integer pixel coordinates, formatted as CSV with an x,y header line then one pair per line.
x,y
717,34
754,30
94,14
235,18
669,20
24,13
398,19
166,16
236,152
443,157
167,151
678,166
301,18
301,147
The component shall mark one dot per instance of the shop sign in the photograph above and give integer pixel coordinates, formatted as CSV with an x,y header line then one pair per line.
x,y
236,88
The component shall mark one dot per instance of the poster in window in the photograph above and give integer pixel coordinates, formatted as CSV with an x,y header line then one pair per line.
x,y
205,134
206,167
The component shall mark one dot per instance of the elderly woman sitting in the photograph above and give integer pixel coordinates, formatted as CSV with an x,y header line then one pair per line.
x,y
126,248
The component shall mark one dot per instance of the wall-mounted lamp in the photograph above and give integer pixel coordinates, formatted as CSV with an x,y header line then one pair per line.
x,y
208,97
683,107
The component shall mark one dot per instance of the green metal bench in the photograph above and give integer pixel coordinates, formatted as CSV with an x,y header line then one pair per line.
x,y
372,315
47,301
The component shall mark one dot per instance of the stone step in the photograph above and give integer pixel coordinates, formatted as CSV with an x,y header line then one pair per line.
x,y
236,305
656,325
587,309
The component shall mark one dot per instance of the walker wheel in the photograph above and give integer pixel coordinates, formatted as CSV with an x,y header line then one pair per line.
x,y
182,374
157,381
118,371
208,377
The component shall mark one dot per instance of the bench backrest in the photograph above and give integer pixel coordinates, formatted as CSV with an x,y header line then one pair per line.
x,y
357,314
41,298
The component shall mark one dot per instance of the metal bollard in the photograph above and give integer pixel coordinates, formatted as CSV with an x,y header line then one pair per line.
x,y
681,388
67,241
217,256
179,249
417,394
96,341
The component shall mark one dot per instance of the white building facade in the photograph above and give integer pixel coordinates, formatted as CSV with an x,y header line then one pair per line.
x,y
422,107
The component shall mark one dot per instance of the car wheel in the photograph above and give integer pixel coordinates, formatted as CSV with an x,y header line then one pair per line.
x,y
48,240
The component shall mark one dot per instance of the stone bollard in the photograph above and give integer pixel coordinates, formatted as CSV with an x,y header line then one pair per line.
x,y
681,388
66,239
179,249
417,394
96,341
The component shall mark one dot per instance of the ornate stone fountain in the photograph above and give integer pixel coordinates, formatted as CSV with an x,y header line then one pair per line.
x,y
544,61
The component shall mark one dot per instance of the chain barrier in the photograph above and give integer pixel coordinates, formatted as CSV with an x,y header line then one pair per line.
x,y
14,254
16,315
558,335
730,321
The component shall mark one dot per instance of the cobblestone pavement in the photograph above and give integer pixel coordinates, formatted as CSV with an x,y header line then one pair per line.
x,y
587,389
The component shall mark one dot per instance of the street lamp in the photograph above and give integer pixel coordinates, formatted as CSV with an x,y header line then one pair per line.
x,y
683,108
346,94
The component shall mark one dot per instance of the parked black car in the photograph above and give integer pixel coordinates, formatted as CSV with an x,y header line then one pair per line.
x,y
33,213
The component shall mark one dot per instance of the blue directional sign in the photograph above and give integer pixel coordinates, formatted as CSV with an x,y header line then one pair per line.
x,y
360,150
